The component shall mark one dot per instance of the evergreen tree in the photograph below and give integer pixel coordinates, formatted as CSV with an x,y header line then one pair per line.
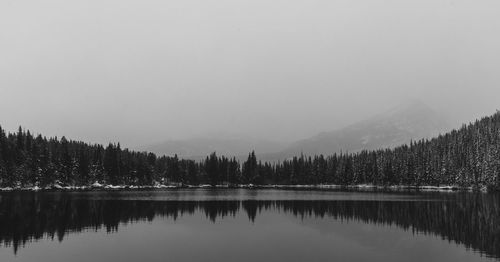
x,y
469,156
212,168
250,172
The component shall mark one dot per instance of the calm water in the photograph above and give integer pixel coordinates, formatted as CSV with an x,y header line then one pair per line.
x,y
249,225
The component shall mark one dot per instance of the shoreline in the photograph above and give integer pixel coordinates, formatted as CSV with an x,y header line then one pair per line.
x,y
360,188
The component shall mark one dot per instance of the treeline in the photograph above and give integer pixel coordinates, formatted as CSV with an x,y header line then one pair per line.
x,y
467,157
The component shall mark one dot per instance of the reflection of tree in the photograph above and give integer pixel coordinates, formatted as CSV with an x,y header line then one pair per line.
x,y
469,219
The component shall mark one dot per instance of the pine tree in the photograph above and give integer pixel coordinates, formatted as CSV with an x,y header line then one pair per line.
x,y
212,168
250,172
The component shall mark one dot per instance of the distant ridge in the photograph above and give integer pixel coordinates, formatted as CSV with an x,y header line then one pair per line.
x,y
406,122
199,148
412,120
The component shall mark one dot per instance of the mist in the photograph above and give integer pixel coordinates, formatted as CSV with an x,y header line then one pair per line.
x,y
139,72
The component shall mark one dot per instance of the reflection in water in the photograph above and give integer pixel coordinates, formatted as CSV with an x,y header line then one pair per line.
x,y
472,220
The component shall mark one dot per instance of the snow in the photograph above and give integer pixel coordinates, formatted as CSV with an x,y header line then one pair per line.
x,y
97,184
114,187
361,187
164,186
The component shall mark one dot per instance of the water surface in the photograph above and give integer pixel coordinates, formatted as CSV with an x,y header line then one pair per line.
x,y
248,225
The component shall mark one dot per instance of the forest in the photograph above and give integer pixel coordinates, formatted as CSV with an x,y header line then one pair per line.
x,y
465,157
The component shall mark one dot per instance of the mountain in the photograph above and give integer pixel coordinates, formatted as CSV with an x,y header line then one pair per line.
x,y
400,125
199,148
468,157
410,121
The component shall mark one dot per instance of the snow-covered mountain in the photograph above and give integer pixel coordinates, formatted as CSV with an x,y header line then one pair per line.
x,y
398,126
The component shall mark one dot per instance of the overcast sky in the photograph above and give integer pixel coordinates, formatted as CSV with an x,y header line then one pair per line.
x,y
145,71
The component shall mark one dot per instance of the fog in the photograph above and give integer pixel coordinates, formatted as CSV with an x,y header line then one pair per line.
x,y
140,72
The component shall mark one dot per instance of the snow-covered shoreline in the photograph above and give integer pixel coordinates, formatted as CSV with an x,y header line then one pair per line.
x,y
363,187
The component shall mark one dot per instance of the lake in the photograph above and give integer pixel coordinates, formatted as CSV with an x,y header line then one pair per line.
x,y
249,225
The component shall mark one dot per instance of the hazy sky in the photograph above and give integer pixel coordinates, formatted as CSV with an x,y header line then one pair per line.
x,y
145,71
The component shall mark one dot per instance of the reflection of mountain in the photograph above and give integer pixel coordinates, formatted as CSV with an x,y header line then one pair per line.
x,y
472,220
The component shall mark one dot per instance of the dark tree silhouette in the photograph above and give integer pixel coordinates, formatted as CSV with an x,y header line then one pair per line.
x,y
472,220
467,157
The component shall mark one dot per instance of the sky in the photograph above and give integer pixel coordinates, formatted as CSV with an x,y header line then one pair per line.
x,y
139,72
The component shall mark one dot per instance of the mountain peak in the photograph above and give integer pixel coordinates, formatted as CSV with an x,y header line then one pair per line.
x,y
410,108
412,120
